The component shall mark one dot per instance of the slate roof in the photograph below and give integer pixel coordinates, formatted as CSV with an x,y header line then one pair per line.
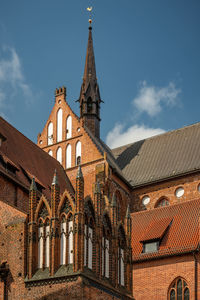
x,y
181,230
160,157
30,161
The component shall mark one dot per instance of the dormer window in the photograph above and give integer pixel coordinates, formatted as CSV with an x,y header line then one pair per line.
x,y
149,247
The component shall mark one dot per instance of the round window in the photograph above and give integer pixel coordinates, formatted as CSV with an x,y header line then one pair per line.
x,y
145,200
179,192
78,129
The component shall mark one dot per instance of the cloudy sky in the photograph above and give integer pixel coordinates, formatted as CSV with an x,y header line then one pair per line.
x,y
147,59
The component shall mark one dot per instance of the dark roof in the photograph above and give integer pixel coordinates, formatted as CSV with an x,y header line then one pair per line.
x,y
31,161
161,157
179,234
103,148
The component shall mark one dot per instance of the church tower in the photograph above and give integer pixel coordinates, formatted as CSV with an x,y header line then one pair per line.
x,y
89,95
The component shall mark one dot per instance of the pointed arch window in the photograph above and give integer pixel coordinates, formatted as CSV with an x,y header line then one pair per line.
x,y
78,153
69,127
68,156
66,240
47,244
40,244
121,256
89,234
59,155
50,134
106,245
179,290
59,125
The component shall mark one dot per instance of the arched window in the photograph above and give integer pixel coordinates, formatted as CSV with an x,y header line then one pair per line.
x,y
69,127
59,125
179,290
88,234
68,156
162,202
59,155
121,256
50,134
50,152
47,246
106,244
66,240
78,153
40,244
89,105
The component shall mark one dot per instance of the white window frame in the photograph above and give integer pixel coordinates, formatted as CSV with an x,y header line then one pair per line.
x,y
59,155
69,127
68,156
50,134
59,124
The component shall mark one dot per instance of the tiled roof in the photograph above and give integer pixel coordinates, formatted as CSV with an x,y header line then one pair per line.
x,y
164,156
31,161
181,236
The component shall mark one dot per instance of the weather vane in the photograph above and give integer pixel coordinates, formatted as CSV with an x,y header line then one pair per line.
x,y
90,15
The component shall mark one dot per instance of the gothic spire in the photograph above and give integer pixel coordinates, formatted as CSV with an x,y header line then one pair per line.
x,y
89,98
90,69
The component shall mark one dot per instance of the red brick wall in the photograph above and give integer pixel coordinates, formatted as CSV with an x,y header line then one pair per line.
x,y
167,189
151,279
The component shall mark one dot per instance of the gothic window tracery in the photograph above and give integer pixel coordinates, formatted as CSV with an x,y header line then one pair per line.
x,y
179,290
88,234
66,240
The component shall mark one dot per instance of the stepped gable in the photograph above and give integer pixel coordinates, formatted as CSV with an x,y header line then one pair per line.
x,y
175,226
30,161
161,157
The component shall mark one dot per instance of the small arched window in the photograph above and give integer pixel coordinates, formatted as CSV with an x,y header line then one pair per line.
x,y
162,202
50,134
78,153
68,156
89,105
69,127
59,125
59,155
179,290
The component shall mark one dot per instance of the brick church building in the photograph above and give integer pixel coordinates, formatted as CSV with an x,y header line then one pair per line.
x,y
79,220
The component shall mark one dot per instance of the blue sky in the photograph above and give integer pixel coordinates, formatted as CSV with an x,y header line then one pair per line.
x,y
147,59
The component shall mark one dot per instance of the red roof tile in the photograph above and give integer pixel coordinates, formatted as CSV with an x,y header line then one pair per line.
x,y
182,235
28,156
156,229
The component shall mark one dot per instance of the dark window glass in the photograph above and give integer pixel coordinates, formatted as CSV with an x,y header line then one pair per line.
x,y
186,294
179,290
172,295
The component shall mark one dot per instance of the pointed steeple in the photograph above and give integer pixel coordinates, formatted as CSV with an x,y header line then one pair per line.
x,y
90,69
89,98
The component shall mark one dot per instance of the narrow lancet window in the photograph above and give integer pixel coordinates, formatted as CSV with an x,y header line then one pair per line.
x,y
69,127
68,156
59,155
40,245
50,134
78,153
59,125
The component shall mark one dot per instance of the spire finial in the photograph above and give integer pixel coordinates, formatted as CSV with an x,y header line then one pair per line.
x,y
55,178
33,185
90,16
79,172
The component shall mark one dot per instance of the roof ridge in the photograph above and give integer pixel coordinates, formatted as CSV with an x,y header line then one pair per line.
x,y
161,134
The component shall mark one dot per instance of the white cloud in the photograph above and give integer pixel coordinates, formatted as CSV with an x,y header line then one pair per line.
x,y
12,80
151,99
119,136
